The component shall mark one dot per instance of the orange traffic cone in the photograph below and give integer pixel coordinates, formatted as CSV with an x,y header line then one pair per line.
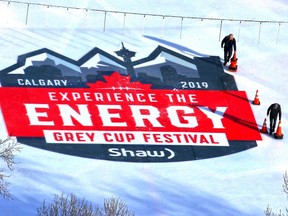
x,y
256,99
264,127
278,134
233,66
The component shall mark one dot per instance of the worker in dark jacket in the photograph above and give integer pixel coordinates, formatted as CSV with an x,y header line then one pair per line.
x,y
228,43
274,110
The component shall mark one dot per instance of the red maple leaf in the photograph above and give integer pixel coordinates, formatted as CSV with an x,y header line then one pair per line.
x,y
118,81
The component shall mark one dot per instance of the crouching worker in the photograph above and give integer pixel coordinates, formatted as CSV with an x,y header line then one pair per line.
x,y
274,110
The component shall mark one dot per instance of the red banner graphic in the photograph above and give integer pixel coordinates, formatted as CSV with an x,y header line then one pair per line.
x,y
107,109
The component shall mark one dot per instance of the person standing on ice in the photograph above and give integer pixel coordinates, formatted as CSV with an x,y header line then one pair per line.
x,y
274,110
228,43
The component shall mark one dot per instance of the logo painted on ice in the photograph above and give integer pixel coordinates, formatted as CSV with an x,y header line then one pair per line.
x,y
122,152
165,107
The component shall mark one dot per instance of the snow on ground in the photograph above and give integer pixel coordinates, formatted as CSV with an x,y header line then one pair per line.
x,y
239,184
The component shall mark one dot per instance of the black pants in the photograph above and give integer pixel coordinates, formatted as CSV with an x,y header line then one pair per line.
x,y
273,120
227,55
